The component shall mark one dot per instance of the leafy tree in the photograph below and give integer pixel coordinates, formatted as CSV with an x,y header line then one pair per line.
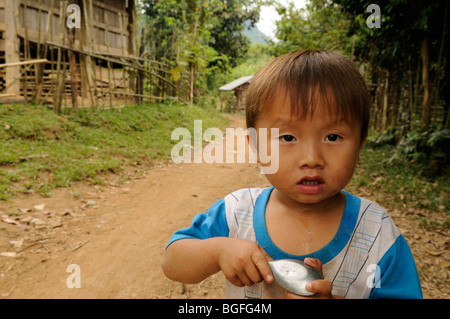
x,y
199,37
318,26
226,36
409,50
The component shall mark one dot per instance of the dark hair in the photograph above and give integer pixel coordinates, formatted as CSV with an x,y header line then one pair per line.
x,y
310,77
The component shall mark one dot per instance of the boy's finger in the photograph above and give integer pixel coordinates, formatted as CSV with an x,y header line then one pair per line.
x,y
314,262
322,287
266,255
253,273
261,262
245,279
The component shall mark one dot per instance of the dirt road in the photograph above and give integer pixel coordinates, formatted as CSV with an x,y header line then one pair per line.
x,y
115,234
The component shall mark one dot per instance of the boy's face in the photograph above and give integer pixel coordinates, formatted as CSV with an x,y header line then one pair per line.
x,y
317,154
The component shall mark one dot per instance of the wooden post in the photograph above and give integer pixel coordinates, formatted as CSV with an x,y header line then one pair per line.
x,y
87,60
60,83
11,48
105,17
140,74
27,51
73,69
39,68
122,44
92,48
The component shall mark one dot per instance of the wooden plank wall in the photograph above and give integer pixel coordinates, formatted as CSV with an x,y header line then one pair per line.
x,y
105,29
107,19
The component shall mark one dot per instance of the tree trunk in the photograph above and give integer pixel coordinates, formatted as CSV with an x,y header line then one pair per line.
x,y
192,84
385,103
394,103
140,74
424,55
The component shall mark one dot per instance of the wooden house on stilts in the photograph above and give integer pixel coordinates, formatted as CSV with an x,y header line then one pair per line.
x,y
73,53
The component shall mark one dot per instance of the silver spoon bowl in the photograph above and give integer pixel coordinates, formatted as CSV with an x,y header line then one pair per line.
x,y
293,275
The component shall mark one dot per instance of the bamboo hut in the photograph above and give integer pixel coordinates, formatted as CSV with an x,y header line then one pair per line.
x,y
44,59
239,86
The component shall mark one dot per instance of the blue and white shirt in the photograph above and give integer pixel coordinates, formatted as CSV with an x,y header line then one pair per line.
x,y
367,258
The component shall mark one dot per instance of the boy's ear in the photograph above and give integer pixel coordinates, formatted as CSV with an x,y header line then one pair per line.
x,y
252,142
251,139
363,142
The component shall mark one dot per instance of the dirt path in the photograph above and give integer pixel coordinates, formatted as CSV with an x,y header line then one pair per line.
x,y
115,234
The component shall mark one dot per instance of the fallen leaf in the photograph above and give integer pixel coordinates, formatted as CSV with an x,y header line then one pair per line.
x,y
17,243
432,252
6,219
39,207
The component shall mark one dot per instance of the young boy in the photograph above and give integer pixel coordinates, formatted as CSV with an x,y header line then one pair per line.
x,y
319,103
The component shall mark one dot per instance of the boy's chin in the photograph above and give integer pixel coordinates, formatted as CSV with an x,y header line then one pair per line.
x,y
311,199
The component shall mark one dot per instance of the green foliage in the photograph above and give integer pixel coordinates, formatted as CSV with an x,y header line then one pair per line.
x,y
201,38
319,26
399,185
397,47
427,149
256,57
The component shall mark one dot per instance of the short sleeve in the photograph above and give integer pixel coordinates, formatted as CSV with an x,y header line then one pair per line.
x,y
212,223
399,278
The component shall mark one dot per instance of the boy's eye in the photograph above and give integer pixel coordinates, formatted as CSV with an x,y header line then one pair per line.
x,y
287,138
332,137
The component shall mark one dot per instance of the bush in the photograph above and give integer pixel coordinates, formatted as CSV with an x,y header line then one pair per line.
x,y
430,148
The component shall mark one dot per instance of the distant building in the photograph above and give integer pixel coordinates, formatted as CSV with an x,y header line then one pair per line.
x,y
239,86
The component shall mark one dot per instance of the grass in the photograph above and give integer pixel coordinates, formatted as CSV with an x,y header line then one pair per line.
x,y
401,185
41,150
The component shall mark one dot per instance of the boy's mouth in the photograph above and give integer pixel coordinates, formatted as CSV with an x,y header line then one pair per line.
x,y
311,184
315,180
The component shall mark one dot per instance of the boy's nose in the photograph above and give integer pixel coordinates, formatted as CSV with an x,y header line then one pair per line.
x,y
310,156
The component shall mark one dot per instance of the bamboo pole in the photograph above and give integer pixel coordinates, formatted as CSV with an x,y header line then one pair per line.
x,y
86,60
52,52
17,78
140,74
37,61
73,69
26,50
111,60
92,47
82,74
38,69
143,96
122,45
91,74
60,77
11,46
134,58
108,63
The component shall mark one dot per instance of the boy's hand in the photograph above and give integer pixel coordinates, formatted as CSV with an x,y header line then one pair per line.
x,y
244,262
322,287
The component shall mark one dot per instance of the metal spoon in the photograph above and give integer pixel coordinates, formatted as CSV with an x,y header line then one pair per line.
x,y
293,275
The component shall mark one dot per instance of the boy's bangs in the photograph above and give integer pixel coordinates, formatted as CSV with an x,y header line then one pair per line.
x,y
310,81
307,98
